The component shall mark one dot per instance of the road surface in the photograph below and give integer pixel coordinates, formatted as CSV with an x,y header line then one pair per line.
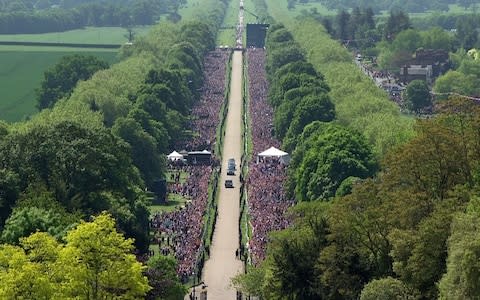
x,y
223,264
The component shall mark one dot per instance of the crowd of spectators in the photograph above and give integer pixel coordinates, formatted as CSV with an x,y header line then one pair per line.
x,y
384,80
205,113
180,232
267,202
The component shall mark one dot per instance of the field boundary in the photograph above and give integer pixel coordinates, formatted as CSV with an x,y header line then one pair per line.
x,y
51,44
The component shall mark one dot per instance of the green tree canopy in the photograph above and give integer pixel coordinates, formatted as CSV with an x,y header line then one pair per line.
x,y
284,112
25,221
60,80
417,96
282,55
396,23
95,262
86,169
143,146
461,279
386,289
162,277
310,109
334,153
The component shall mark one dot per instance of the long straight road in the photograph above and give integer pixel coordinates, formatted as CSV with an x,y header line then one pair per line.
x,y
223,264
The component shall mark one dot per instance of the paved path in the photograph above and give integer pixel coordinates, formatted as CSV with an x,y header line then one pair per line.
x,y
223,265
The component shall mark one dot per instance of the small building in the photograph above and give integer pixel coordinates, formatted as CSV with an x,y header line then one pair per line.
x,y
416,72
426,64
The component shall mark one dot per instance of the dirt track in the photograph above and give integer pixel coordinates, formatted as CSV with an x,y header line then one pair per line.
x,y
223,265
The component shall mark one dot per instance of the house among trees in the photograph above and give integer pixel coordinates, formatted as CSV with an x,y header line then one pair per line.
x,y
426,65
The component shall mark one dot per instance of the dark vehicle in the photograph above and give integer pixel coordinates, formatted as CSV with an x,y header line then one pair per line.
x,y
231,164
228,184
231,167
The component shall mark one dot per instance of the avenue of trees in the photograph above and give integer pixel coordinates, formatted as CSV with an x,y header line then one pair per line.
x,y
409,231
358,102
95,148
323,154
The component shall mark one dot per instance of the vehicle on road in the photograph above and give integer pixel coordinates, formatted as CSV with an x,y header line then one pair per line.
x,y
228,183
231,164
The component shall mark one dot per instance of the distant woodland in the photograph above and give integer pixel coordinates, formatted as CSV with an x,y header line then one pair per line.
x,y
408,5
25,16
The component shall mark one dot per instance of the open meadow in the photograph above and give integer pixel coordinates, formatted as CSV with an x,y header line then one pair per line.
x,y
22,67
22,71
89,35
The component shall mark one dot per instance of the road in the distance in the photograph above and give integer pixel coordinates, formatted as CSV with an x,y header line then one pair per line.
x,y
223,265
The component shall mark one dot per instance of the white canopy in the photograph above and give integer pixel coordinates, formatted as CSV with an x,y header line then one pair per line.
x,y
272,152
175,156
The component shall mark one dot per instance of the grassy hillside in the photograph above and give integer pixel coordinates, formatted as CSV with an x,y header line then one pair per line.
x,y
90,35
22,72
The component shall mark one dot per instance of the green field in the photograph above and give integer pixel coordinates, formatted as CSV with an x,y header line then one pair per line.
x,y
21,72
22,67
89,35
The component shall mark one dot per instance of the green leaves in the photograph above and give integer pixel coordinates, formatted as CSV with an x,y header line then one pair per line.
x,y
60,80
386,289
461,279
25,221
145,155
162,277
95,262
417,96
327,157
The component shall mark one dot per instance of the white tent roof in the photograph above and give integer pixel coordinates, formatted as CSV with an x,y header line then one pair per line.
x,y
175,155
272,152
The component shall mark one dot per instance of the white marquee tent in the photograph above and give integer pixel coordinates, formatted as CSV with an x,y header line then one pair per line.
x,y
175,156
274,152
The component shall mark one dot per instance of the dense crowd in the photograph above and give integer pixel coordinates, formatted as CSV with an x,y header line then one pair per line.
x,y
267,202
180,232
384,80
205,113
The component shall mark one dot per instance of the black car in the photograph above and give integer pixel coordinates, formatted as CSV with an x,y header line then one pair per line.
x,y
228,184
231,164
